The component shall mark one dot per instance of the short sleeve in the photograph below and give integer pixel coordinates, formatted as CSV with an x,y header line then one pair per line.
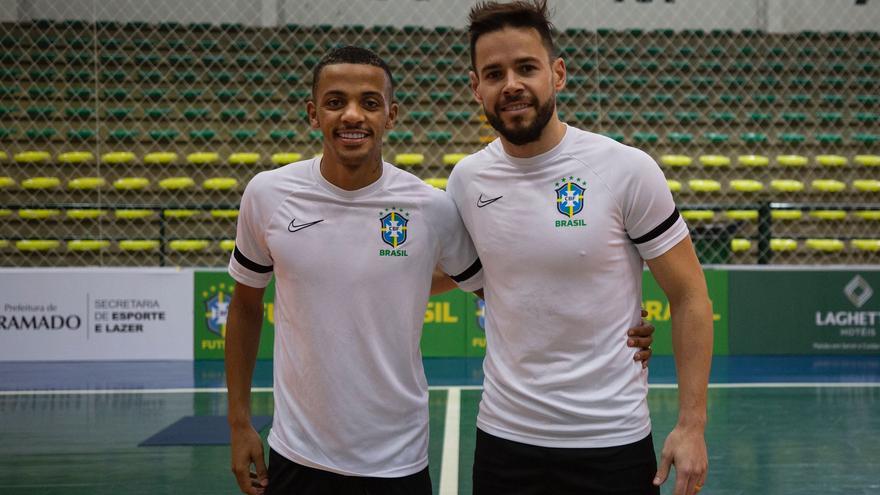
x,y
652,221
251,261
458,257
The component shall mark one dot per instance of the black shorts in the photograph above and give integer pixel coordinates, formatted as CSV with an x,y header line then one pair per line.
x,y
289,478
506,467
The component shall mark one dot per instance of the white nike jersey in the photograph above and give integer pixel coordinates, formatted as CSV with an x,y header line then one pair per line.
x,y
562,237
352,279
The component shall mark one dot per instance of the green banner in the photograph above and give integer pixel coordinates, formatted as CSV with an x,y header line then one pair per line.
x,y
657,306
213,289
805,312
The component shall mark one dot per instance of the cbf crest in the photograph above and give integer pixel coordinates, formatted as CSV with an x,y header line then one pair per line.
x,y
570,200
216,309
393,230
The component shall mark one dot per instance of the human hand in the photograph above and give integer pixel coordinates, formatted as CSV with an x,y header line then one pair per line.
x,y
641,337
685,448
247,450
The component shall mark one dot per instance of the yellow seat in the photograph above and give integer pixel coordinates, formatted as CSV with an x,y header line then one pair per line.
x,y
227,244
32,157
486,139
87,245
753,160
409,159
243,158
742,215
828,185
866,185
85,214
176,183
833,215
224,213
786,215
868,214
787,185
5,212
188,245
831,160
285,158
676,160
866,244
139,245
160,158
868,160
3,156
674,185
746,185
740,245
451,159
783,244
4,244
133,214
38,214
202,158
131,183
177,213
41,183
72,157
714,160
698,215
438,182
825,245
792,160
6,182
704,185
118,157
220,184
86,183
37,244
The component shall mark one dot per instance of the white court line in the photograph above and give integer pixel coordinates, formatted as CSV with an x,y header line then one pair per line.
x,y
449,464
222,390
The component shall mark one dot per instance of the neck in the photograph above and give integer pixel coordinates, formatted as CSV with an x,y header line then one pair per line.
x,y
552,135
350,176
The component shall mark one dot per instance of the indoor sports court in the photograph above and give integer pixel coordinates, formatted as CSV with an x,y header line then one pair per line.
x,y
129,130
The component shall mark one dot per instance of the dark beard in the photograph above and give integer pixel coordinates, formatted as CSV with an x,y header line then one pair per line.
x,y
524,135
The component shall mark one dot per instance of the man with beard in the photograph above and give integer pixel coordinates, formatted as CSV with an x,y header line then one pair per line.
x,y
563,220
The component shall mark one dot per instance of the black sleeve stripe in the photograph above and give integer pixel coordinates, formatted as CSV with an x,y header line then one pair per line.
x,y
250,265
658,230
470,272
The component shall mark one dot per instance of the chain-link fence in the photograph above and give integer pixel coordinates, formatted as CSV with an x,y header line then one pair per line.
x,y
128,129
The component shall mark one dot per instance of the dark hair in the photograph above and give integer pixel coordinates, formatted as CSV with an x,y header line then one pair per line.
x,y
487,17
351,55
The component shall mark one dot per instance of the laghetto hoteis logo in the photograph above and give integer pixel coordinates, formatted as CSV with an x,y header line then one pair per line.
x,y
216,308
393,230
858,323
570,201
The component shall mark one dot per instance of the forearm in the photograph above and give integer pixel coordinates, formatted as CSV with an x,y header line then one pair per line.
x,y
692,337
243,325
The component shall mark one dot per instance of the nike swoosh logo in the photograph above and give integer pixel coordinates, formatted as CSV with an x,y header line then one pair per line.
x,y
484,202
293,227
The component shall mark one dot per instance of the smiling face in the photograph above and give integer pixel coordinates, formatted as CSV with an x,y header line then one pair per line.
x,y
352,107
516,82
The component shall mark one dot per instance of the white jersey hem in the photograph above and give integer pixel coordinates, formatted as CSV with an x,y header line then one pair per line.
x,y
570,443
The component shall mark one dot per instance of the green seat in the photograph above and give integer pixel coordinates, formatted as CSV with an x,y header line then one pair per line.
x,y
202,135
722,117
703,81
587,65
743,66
184,76
395,47
760,117
688,51
833,82
281,136
833,100
605,81
735,81
680,137
680,66
192,114
865,138
440,96
868,100
829,118
866,82
7,133
716,137
654,117
731,99
310,61
617,136
123,135
271,115
630,98
642,137
794,117
40,113
458,116
753,137
254,77
768,82
243,135
800,82
426,79
163,135
636,81
10,57
799,99
697,99
116,76
400,136
649,66
791,138
121,113
41,75
829,138
316,136
289,77
73,76
588,117
670,82
620,117
181,60
421,116
687,117
439,137
8,111
115,94
233,114
191,95
155,94
227,95
600,98
157,113
41,92
142,44
428,48
443,63
460,80
662,99
299,95
80,135
242,45
150,76
263,95
43,57
222,77
279,61
147,59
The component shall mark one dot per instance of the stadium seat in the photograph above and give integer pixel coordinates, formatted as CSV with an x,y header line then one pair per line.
x,y
180,214
32,157
131,183
451,159
118,157
714,160
41,134
202,135
742,215
163,135
86,183
202,158
243,158
281,136
285,158
791,160
409,159
783,245
227,244
136,245
188,245
829,118
716,137
831,160
85,214
271,115
825,245
746,185
674,185
29,245
176,183
871,245
828,185
220,184
158,113
787,185
86,245
698,215
753,160
243,135
233,114
866,185
6,182
41,183
133,214
753,137
676,160
867,160
439,137
740,245
400,136
792,138
828,215
38,213
438,182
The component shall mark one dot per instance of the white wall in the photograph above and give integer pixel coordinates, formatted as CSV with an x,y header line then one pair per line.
x,y
8,10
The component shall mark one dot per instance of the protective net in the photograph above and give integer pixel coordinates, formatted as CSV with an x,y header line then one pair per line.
x,y
128,129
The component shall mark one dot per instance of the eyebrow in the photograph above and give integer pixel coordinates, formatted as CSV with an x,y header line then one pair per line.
x,y
336,92
518,61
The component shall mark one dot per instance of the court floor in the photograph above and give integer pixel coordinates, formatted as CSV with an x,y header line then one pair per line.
x,y
778,425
